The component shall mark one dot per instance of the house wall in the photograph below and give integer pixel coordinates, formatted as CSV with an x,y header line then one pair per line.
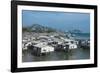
x,y
72,46
47,49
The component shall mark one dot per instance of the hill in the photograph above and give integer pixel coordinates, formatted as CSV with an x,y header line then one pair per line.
x,y
38,28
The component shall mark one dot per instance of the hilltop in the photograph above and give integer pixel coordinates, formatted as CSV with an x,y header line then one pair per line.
x,y
38,28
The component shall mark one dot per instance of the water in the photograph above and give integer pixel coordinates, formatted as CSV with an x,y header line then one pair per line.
x,y
81,35
75,54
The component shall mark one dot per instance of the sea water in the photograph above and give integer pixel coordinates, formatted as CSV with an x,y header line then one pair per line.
x,y
82,36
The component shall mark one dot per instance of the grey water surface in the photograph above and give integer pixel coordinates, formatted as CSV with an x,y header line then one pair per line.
x,y
74,54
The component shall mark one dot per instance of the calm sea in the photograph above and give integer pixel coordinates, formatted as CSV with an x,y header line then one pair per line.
x,y
81,35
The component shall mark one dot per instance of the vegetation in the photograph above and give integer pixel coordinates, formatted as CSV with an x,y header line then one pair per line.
x,y
38,28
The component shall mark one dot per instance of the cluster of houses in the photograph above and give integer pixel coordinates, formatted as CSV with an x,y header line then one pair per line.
x,y
42,44
84,43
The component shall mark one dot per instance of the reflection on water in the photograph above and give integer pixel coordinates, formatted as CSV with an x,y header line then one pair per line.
x,y
75,54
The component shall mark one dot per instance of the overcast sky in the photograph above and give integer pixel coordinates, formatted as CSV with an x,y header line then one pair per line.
x,y
59,20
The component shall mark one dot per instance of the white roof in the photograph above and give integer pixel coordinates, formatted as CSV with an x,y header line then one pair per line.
x,y
43,37
40,45
48,47
43,45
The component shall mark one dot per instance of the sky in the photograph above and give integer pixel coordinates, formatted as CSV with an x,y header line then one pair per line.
x,y
64,21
